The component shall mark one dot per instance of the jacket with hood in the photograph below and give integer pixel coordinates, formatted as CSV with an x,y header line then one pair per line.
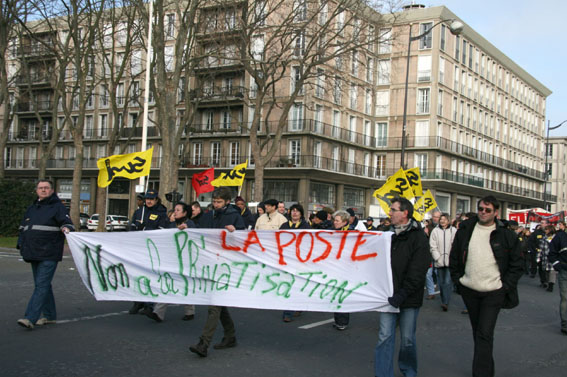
x,y
41,237
440,242
219,218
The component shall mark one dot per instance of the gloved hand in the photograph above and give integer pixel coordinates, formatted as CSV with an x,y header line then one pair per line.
x,y
398,298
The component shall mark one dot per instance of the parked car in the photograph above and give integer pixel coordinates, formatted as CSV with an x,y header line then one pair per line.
x,y
113,222
84,219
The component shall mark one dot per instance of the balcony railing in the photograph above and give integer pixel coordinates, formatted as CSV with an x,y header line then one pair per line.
x,y
34,79
305,162
216,93
31,106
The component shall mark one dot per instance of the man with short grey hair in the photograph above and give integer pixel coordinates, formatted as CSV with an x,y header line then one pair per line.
x,y
41,240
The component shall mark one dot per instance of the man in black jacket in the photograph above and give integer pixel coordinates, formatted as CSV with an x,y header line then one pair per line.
x,y
533,245
485,263
558,259
410,258
223,216
41,243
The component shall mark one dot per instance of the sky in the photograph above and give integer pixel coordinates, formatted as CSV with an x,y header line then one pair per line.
x,y
532,34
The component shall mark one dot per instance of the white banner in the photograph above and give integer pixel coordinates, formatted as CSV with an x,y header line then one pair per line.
x,y
327,271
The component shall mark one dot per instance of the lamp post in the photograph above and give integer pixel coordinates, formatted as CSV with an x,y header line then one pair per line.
x,y
545,166
455,28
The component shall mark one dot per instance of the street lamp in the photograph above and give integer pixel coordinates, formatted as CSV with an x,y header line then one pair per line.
x,y
455,28
545,166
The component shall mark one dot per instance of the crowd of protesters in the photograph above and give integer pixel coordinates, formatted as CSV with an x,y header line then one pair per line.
x,y
476,255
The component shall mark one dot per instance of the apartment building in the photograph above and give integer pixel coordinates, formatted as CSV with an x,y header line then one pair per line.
x,y
475,118
556,160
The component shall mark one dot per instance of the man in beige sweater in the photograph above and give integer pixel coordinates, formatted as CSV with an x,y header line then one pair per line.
x,y
486,264
272,219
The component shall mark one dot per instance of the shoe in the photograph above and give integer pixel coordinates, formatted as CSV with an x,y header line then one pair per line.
x,y
136,307
44,321
24,322
200,349
543,285
464,311
444,307
225,343
564,331
150,314
339,327
188,317
430,297
550,287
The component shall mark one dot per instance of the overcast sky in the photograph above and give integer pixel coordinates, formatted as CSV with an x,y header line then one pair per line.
x,y
532,34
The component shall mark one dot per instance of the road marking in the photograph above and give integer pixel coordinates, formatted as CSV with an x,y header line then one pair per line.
x,y
87,318
315,324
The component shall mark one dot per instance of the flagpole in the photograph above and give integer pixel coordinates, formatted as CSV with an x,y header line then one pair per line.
x,y
147,84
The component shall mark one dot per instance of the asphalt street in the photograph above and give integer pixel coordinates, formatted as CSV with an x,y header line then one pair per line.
x,y
101,339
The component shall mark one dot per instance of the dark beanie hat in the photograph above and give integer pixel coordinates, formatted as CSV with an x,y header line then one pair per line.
x,y
350,211
321,215
239,199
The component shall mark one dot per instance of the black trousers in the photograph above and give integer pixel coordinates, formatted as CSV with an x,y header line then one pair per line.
x,y
483,310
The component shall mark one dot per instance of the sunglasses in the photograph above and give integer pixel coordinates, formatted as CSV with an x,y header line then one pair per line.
x,y
485,209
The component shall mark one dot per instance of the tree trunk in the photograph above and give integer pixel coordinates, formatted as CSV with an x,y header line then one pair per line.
x,y
101,207
259,180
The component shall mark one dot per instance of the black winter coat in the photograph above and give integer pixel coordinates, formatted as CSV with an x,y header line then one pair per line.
x,y
558,249
248,218
40,237
410,259
302,225
506,249
218,219
154,218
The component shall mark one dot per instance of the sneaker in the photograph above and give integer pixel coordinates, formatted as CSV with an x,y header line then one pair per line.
x,y
339,327
225,343
444,307
150,314
24,322
188,317
200,349
136,307
44,321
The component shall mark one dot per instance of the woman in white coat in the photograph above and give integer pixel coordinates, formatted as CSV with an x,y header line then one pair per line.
x,y
440,242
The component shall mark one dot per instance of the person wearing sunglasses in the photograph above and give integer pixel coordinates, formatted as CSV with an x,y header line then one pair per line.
x,y
486,264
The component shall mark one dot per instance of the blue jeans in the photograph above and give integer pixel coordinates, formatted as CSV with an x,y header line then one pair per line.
x,y
384,352
429,283
445,284
562,283
42,299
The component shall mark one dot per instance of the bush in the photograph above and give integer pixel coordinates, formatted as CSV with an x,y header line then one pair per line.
x,y
15,198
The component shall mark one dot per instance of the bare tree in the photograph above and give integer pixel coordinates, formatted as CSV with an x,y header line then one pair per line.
x,y
284,45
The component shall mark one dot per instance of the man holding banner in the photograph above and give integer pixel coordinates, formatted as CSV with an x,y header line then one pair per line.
x,y
223,216
410,258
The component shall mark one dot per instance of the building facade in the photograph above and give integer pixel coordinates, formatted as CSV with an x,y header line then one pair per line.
x,y
556,159
475,120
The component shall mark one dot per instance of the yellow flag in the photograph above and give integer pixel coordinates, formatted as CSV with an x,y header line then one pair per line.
x,y
131,166
235,177
425,204
396,186
414,179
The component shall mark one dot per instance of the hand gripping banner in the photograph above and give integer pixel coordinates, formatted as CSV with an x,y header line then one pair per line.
x,y
328,271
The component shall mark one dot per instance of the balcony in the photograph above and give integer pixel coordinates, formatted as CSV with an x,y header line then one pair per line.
x,y
33,106
35,79
217,94
36,49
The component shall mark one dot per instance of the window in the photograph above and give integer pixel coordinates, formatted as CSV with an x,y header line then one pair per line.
x,y
134,93
382,103
260,12
385,46
367,133
320,86
317,154
352,129
133,117
120,94
323,12
423,99
340,23
88,131
296,81
136,62
318,121
381,134
322,193
337,92
354,64
103,125
208,117
370,70
197,153
215,153
457,48
299,49
336,123
464,60
424,68
300,10
100,151
296,117
381,166
169,55
295,151
181,90
234,153
353,96
334,158
425,41
422,133
421,162
440,103
368,102
170,25
230,19
226,120
258,48
441,70
384,67
443,33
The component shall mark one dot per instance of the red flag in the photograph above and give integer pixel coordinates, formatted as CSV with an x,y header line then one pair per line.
x,y
202,181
